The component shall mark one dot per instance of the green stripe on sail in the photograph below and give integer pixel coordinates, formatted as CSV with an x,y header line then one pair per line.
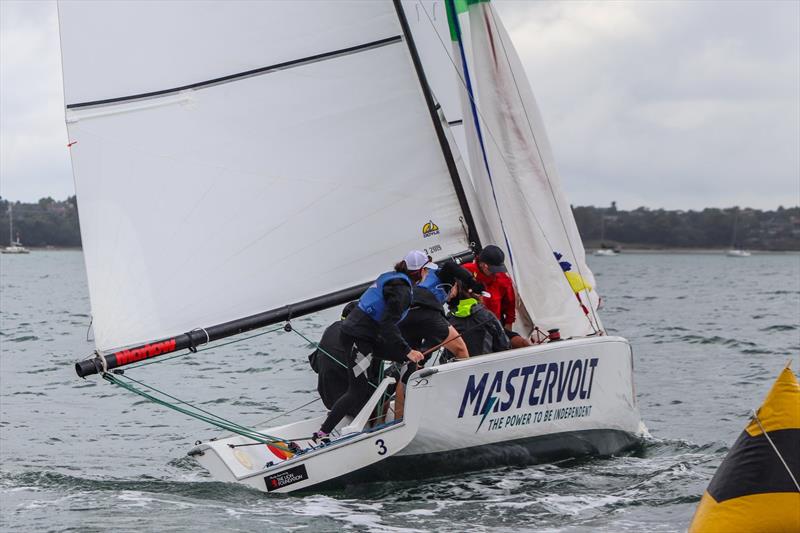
x,y
460,6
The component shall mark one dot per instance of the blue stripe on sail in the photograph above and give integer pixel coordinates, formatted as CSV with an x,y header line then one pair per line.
x,y
457,27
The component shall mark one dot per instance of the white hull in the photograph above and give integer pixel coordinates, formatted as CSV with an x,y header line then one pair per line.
x,y
15,250
738,253
556,400
606,252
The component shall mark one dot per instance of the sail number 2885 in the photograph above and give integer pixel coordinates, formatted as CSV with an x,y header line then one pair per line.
x,y
381,446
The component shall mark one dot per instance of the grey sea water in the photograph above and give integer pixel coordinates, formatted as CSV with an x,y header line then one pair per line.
x,y
710,334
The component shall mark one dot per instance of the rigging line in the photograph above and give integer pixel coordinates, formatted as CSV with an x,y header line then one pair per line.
x,y
321,349
544,166
764,431
266,439
497,145
246,74
232,427
284,413
230,423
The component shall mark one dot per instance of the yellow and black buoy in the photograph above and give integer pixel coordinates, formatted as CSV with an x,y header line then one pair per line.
x,y
755,489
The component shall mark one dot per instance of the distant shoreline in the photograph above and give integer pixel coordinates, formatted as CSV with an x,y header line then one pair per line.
x,y
589,251
642,230
691,251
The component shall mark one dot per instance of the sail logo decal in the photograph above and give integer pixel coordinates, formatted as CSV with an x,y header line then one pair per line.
x,y
530,386
286,478
145,352
429,229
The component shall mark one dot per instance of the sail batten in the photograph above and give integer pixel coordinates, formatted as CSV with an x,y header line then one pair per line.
x,y
241,75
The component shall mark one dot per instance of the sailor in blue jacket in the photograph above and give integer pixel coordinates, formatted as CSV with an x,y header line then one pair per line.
x,y
425,326
370,333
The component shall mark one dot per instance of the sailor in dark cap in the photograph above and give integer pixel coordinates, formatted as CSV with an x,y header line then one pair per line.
x,y
490,270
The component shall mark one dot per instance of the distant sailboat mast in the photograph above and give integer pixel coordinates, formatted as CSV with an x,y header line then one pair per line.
x,y
736,251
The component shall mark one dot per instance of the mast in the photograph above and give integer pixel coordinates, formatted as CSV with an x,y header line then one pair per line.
x,y
472,232
10,226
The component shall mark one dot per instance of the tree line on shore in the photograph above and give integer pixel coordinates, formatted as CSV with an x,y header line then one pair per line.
x,y
50,222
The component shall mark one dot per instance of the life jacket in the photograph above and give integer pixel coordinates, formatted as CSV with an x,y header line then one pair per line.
x,y
435,285
372,302
464,308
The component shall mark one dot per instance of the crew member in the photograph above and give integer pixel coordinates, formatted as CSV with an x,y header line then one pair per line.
x,y
479,327
426,325
370,333
329,361
490,270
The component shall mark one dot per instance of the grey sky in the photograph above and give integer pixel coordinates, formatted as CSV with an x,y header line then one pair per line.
x,y
663,104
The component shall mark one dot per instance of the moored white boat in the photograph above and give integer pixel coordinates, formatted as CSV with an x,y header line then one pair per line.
x,y
314,138
737,253
605,252
15,246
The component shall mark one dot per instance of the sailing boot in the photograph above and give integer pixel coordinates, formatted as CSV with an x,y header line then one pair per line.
x,y
320,437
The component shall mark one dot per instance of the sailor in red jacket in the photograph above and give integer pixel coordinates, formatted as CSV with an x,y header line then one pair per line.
x,y
490,270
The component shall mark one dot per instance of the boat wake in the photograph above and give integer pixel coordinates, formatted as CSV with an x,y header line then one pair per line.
x,y
618,492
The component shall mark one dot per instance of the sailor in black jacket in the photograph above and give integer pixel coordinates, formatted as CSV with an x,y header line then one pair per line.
x,y
329,361
371,333
480,328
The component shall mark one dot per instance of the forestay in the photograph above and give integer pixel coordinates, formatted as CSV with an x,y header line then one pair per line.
x,y
515,177
233,157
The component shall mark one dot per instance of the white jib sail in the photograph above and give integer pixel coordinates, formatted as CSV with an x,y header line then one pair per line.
x,y
213,187
518,183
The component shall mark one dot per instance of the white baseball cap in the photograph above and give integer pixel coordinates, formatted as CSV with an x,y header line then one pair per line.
x,y
416,260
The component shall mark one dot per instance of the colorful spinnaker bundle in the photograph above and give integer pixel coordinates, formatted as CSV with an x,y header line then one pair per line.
x,y
755,489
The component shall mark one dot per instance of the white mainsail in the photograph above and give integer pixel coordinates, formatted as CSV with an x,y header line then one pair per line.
x,y
234,157
515,177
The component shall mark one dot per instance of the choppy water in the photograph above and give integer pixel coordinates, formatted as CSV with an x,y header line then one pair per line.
x,y
710,333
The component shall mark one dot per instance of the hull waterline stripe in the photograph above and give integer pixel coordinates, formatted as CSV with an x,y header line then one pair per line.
x,y
246,74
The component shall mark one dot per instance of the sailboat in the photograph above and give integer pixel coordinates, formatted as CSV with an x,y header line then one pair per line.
x,y
315,143
14,246
736,251
603,251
